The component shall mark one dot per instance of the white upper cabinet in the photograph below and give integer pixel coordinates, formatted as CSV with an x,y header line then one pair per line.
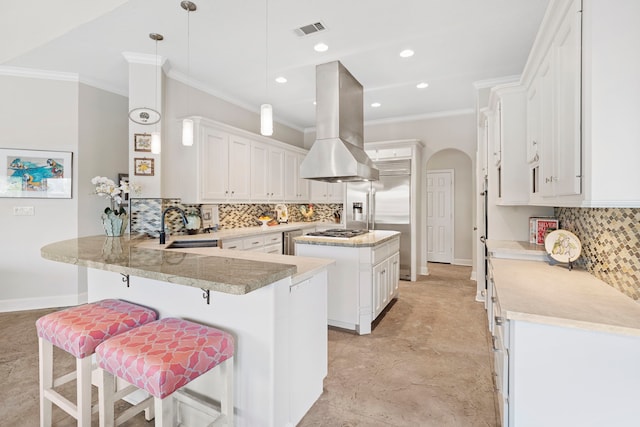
x,y
582,88
267,173
326,192
507,136
236,166
296,189
218,181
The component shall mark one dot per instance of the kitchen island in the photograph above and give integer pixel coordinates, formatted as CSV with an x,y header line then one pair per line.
x,y
274,305
363,280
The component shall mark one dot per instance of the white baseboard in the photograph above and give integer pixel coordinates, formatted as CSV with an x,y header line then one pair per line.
x,y
461,261
473,276
424,270
22,304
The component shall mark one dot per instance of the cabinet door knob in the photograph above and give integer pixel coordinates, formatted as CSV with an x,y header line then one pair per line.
x,y
499,321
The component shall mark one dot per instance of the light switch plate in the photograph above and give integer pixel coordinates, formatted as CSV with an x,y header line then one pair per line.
x,y
23,211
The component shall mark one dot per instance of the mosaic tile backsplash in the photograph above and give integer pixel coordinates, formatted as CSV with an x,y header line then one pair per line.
x,y
146,214
610,240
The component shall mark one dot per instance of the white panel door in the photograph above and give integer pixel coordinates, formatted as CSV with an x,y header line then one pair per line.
x,y
440,216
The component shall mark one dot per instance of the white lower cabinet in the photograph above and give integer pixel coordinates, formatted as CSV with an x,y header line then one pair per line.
x,y
269,243
557,376
362,282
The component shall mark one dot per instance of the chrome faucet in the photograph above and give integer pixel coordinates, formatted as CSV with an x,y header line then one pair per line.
x,y
162,232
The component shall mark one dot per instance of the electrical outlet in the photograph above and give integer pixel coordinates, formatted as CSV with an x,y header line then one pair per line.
x,y
23,211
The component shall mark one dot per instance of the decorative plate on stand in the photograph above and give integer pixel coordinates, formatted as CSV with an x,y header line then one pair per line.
x,y
563,246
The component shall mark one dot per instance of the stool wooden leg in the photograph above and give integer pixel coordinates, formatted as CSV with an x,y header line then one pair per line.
x,y
227,401
83,391
45,372
164,411
106,389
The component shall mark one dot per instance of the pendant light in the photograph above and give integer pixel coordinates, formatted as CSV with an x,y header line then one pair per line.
x,y
156,143
187,124
266,111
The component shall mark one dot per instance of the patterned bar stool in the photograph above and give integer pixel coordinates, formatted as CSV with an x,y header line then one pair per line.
x,y
161,357
78,331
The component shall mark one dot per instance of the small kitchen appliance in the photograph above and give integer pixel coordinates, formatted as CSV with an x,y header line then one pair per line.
x,y
282,213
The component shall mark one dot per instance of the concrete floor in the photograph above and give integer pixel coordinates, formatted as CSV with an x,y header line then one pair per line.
x,y
426,363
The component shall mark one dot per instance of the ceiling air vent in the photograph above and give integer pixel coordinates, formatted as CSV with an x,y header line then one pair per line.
x,y
305,30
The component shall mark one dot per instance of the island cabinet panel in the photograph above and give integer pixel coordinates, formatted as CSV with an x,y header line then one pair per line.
x,y
281,341
362,282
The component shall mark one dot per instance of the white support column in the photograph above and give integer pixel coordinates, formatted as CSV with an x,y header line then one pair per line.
x,y
146,83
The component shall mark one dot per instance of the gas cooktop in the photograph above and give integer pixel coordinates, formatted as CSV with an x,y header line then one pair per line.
x,y
338,233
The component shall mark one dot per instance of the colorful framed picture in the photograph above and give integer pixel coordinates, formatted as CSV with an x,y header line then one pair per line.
x,y
143,166
35,173
142,142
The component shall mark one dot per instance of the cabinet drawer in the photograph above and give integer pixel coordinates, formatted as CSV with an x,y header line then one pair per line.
x,y
394,246
379,253
249,243
272,239
273,249
236,244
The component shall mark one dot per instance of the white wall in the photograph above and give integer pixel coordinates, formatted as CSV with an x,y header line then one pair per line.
x,y
462,198
44,115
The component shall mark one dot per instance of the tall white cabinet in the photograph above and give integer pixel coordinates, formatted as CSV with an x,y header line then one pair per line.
x,y
582,83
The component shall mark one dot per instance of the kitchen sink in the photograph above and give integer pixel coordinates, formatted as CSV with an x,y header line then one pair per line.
x,y
184,244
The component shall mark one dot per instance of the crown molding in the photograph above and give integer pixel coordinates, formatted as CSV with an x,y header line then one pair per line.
x,y
483,84
32,73
144,58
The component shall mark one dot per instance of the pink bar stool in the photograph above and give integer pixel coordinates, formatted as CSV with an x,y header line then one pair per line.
x,y
161,357
78,331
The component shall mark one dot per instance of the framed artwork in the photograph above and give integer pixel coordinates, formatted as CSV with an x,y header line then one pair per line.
x,y
143,166
35,173
142,141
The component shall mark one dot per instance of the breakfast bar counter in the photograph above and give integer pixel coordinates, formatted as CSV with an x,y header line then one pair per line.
x,y
274,305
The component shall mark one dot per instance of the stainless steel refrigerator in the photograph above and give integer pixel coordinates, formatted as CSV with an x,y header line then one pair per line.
x,y
384,205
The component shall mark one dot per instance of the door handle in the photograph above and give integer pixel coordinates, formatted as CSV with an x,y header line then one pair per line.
x,y
483,239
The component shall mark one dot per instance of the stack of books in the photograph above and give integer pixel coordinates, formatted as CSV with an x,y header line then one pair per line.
x,y
540,226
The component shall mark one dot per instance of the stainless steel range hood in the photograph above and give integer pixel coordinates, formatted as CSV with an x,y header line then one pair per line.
x,y
338,155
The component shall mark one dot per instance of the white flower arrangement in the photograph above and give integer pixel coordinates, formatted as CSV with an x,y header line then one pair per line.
x,y
107,188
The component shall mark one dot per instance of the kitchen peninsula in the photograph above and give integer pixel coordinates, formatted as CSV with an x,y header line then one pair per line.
x,y
274,305
364,279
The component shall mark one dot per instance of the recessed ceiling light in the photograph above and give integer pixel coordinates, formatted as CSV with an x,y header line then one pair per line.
x,y
422,85
281,79
407,53
321,47
376,104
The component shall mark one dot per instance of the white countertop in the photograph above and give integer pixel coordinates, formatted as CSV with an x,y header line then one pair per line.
x,y
516,250
538,292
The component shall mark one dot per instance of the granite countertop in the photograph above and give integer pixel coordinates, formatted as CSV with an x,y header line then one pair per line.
x,y
538,292
252,231
372,238
233,272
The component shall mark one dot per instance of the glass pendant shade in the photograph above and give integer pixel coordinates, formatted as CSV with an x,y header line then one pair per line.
x,y
155,142
266,120
187,132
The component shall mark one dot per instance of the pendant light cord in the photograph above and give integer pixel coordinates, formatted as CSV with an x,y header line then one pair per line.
x,y
266,50
188,62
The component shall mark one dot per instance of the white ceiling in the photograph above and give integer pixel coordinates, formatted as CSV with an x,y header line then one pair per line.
x,y
456,43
